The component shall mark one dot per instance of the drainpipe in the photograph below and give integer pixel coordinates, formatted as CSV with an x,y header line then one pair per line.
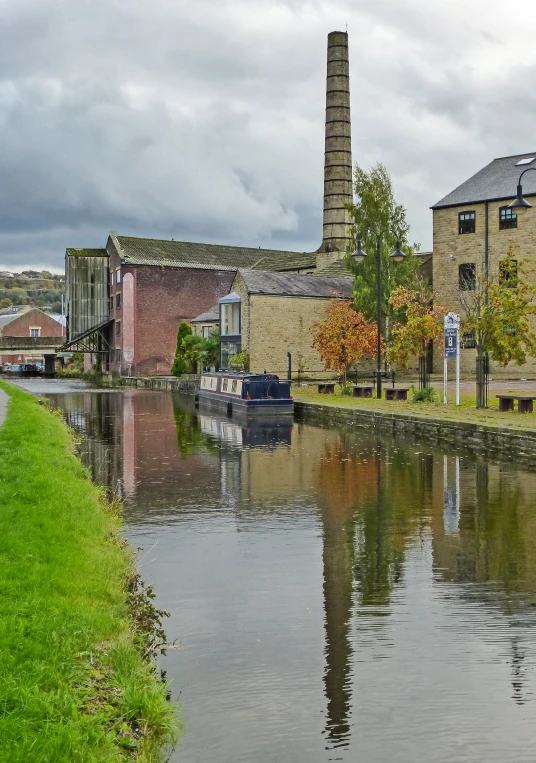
x,y
486,246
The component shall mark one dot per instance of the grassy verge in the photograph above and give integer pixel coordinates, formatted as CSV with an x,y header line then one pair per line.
x,y
465,412
74,684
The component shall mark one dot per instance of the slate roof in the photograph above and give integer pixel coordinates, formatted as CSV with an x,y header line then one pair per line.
x,y
293,285
287,261
211,315
5,319
87,252
496,181
334,269
184,254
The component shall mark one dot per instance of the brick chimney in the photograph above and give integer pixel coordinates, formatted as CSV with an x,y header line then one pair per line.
x,y
338,151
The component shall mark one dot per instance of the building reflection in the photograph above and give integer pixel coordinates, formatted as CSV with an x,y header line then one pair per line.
x,y
376,498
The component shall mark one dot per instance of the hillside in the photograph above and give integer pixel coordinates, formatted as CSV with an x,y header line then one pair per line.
x,y
31,287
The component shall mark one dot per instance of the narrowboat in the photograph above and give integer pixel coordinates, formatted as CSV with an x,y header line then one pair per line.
x,y
247,393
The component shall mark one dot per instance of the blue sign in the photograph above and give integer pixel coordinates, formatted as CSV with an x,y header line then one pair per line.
x,y
451,342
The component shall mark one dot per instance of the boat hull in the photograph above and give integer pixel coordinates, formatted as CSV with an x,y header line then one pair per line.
x,y
229,404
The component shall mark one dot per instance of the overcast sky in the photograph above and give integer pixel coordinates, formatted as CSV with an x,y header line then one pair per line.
x,y
202,120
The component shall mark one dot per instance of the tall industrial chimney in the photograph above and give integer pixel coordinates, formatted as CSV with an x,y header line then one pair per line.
x,y
338,148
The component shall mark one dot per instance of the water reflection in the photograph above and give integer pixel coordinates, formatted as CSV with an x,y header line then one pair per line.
x,y
422,563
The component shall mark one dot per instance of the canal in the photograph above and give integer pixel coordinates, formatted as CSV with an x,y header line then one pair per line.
x,y
334,596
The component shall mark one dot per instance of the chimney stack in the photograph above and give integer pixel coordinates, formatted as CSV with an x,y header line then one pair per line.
x,y
338,148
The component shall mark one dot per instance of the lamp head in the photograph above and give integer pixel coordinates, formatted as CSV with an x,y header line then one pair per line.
x,y
519,204
398,255
359,255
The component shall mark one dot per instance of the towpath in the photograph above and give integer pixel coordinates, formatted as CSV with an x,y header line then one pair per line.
x,y
3,406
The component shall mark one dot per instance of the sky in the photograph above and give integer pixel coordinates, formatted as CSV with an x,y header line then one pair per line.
x,y
203,120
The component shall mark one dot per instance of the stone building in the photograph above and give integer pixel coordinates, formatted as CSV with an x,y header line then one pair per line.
x,y
473,227
271,314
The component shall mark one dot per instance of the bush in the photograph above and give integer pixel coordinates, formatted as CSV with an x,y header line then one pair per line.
x,y
180,364
240,361
425,395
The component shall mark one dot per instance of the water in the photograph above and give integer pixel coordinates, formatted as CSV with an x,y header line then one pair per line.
x,y
334,595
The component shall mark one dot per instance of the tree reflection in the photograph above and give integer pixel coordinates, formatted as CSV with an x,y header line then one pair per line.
x,y
190,436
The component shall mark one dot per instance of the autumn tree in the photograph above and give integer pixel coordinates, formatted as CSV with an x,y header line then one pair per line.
x,y
423,324
496,313
376,210
343,337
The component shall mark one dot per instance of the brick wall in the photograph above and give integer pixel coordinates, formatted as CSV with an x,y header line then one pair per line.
x,y
452,249
163,297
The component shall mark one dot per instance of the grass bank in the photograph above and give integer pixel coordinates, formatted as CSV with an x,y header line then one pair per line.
x,y
74,684
466,412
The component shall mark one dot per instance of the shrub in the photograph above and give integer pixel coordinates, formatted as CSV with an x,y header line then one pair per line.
x,y
425,395
240,361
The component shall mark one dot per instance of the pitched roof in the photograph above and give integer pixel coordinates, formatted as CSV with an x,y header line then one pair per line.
x,y
497,180
293,285
211,315
337,268
87,252
287,261
185,254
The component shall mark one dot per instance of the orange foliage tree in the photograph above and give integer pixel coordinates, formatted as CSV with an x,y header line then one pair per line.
x,y
343,337
424,323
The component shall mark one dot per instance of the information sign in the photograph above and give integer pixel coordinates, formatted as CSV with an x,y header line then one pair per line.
x,y
451,342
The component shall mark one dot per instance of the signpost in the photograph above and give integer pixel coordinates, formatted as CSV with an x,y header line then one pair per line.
x,y
452,350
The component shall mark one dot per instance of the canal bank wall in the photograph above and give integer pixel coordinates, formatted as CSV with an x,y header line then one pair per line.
x,y
499,442
186,384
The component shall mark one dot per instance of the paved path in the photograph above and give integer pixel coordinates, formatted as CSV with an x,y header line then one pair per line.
x,y
3,406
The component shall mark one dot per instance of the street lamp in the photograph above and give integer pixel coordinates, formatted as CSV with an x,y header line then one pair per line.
x,y
398,256
520,204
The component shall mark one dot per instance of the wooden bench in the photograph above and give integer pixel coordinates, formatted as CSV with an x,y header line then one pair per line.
x,y
326,388
524,403
362,390
396,393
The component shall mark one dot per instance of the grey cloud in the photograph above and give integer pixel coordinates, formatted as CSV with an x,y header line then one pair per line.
x,y
204,121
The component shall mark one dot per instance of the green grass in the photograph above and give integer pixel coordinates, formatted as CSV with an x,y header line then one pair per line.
x,y
73,684
466,412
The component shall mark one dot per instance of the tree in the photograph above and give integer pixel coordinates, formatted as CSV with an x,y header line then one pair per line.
x,y
343,337
423,324
497,314
192,347
376,209
210,350
6,302
180,366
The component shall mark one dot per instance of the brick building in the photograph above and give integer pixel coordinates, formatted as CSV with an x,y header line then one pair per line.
x,y
28,323
473,227
126,300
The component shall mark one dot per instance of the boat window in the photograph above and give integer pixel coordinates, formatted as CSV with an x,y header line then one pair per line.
x,y
224,385
233,385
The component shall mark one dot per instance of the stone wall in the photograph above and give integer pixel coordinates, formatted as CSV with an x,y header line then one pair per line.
x,y
452,249
277,325
497,442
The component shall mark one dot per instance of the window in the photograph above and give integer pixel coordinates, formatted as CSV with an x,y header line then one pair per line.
x,y
233,385
507,218
508,273
206,332
467,276
112,277
466,222
118,328
468,341
118,301
111,303
118,356
118,276
230,314
35,332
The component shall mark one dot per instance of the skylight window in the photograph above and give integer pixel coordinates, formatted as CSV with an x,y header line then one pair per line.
x,y
528,160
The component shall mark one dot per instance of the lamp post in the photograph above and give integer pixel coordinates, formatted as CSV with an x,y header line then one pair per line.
x,y
398,256
520,204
